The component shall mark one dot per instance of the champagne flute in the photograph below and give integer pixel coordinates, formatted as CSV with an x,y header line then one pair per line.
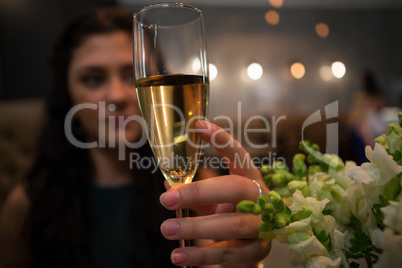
x,y
171,73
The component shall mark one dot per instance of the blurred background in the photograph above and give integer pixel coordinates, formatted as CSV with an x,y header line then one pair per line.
x,y
283,60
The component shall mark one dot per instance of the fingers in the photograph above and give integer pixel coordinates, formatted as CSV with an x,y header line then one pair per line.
x,y
236,157
244,253
225,189
224,226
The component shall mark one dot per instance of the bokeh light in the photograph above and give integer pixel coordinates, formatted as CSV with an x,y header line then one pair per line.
x,y
297,70
272,17
326,73
322,29
338,69
276,3
254,71
213,71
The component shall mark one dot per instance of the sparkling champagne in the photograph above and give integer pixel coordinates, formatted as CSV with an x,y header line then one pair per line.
x,y
170,106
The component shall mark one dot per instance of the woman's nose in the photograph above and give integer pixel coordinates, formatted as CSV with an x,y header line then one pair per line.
x,y
117,92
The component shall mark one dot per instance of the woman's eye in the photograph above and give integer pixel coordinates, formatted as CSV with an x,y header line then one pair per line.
x,y
128,77
92,81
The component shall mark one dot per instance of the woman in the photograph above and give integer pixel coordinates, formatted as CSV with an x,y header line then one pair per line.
x,y
85,207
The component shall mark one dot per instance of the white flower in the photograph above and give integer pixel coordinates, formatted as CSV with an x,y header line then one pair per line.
x,y
302,252
381,169
323,262
391,257
377,237
387,166
332,187
302,226
394,137
338,243
359,206
393,216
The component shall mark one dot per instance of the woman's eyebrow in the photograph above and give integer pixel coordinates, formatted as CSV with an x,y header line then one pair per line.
x,y
90,68
127,66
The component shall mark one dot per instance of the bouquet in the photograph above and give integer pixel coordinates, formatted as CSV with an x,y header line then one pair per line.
x,y
330,213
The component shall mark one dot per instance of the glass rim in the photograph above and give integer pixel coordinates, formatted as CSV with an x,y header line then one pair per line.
x,y
167,4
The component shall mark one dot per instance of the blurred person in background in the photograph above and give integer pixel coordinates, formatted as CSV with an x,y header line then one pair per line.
x,y
365,118
86,208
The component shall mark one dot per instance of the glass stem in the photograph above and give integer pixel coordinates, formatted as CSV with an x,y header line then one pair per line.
x,y
183,213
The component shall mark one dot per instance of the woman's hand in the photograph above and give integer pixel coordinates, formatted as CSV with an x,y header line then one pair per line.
x,y
232,236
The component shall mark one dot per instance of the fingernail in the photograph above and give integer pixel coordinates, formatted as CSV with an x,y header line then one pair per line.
x,y
180,257
170,227
169,198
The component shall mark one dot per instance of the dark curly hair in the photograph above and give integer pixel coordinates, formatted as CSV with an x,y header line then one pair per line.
x,y
57,225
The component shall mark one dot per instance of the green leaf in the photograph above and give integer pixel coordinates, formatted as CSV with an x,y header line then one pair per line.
x,y
393,188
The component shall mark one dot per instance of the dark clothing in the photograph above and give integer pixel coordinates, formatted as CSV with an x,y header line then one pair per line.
x,y
109,220
119,239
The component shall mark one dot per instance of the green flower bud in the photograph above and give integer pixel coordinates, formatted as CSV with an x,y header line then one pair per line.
x,y
283,191
267,217
267,235
265,227
400,118
268,207
333,161
277,165
266,169
381,140
278,179
303,213
299,167
278,205
262,200
281,220
313,169
315,147
296,185
273,195
311,159
257,210
394,138
246,206
268,180
303,145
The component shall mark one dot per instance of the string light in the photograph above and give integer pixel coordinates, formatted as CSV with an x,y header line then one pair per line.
x,y
272,17
326,73
338,69
322,29
297,70
254,71
276,3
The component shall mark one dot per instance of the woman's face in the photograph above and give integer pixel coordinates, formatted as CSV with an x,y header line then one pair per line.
x,y
101,73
